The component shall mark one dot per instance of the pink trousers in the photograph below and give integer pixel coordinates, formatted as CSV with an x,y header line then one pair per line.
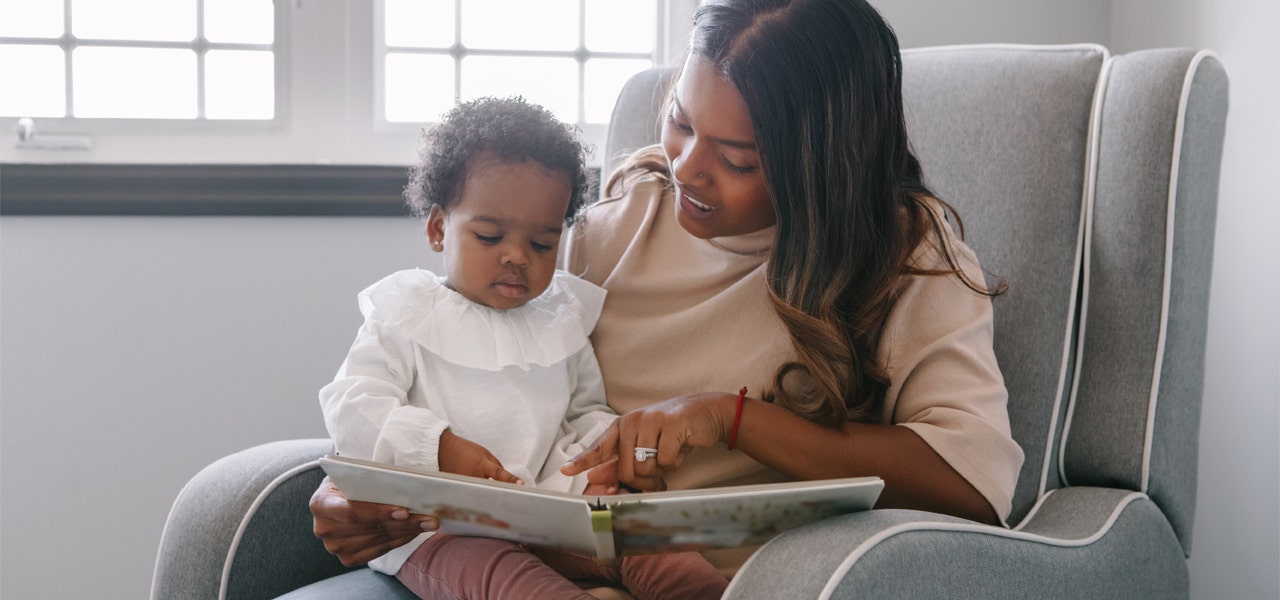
x,y
472,568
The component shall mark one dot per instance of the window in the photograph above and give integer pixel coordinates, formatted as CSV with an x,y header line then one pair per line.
x,y
307,81
188,59
571,56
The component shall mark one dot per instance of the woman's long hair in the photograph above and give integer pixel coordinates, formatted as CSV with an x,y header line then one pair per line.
x,y
822,80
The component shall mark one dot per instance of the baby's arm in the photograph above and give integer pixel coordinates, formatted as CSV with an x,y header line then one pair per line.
x,y
366,406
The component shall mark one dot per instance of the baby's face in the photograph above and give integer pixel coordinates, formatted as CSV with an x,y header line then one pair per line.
x,y
500,239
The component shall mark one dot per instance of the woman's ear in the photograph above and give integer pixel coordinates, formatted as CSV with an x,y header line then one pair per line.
x,y
435,228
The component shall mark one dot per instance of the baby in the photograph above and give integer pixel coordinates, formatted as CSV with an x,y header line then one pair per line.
x,y
488,370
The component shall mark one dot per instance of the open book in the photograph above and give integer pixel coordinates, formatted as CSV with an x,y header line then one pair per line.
x,y
607,526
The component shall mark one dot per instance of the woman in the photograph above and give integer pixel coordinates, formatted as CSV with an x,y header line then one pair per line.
x,y
780,238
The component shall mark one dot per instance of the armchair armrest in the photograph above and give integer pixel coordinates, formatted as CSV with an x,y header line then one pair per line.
x,y
241,527
1077,543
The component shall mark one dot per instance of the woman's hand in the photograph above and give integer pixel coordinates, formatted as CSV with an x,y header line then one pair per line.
x,y
602,480
357,532
674,427
462,456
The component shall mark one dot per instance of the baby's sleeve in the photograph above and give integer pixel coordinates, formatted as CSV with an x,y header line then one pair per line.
x,y
366,409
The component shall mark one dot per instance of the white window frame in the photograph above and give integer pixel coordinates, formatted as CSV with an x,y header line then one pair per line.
x,y
328,103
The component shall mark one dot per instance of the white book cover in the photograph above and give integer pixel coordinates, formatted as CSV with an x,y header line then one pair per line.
x,y
607,526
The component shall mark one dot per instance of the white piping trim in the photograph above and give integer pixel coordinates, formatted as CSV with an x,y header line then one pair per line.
x,y
847,564
155,573
1036,47
1083,238
1034,509
1084,260
1170,213
248,515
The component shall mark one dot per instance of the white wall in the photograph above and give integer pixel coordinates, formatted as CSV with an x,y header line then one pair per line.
x,y
137,350
1236,540
170,342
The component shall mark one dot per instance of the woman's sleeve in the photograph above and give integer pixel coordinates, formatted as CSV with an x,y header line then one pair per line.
x,y
587,417
945,384
366,408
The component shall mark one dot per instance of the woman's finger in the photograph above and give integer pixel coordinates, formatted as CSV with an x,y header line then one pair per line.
x,y
647,484
603,450
671,450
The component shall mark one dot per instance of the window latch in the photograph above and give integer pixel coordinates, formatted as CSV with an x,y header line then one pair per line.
x,y
28,139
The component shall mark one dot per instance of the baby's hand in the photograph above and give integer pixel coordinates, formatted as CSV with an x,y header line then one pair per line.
x,y
464,457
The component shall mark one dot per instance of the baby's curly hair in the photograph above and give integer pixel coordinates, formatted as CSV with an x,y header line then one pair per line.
x,y
511,130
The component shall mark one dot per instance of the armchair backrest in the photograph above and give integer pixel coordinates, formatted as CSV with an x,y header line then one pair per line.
x,y
1135,419
1027,142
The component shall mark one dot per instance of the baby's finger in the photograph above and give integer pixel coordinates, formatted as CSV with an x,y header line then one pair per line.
x,y
494,471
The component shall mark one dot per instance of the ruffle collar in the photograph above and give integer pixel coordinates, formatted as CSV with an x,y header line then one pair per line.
x,y
542,332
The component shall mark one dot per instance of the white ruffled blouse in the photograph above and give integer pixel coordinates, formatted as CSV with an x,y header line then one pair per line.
x,y
523,383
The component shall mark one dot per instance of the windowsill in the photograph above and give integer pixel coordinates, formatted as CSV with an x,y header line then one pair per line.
x,y
202,190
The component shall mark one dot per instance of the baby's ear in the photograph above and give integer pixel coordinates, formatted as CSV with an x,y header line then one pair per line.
x,y
435,228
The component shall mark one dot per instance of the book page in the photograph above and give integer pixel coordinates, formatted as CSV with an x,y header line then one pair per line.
x,y
471,506
713,518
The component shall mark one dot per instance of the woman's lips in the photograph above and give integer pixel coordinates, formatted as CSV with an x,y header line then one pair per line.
x,y
692,207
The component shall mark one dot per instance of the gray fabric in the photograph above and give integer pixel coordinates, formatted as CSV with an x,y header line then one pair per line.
x,y
1106,442
637,117
206,515
1137,556
1174,456
1002,134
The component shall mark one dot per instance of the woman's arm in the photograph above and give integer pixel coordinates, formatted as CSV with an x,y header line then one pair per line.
x,y
915,476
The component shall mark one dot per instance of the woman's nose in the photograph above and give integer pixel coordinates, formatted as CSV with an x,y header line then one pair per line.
x,y
689,166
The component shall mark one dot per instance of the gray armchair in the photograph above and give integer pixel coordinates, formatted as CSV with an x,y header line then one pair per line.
x,y
1088,183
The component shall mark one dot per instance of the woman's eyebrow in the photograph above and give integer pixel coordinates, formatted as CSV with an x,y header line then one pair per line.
x,y
731,143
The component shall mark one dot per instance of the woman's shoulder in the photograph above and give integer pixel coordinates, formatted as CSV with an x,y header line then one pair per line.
x,y
941,248
611,225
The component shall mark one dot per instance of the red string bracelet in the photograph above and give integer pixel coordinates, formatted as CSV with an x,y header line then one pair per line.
x,y
737,418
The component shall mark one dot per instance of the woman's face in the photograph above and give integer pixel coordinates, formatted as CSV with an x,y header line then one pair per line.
x,y
711,150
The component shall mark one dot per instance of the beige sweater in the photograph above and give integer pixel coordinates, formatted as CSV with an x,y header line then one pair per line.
x,y
687,315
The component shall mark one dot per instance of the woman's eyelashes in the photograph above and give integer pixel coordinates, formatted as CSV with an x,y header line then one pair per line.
x,y
686,129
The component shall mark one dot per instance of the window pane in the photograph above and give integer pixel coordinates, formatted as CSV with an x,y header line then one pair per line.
x,y
239,85
239,21
419,88
520,24
167,20
40,70
614,26
603,80
142,83
419,23
31,18
551,82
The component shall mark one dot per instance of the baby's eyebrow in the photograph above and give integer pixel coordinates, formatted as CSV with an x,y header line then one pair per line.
x,y
556,229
